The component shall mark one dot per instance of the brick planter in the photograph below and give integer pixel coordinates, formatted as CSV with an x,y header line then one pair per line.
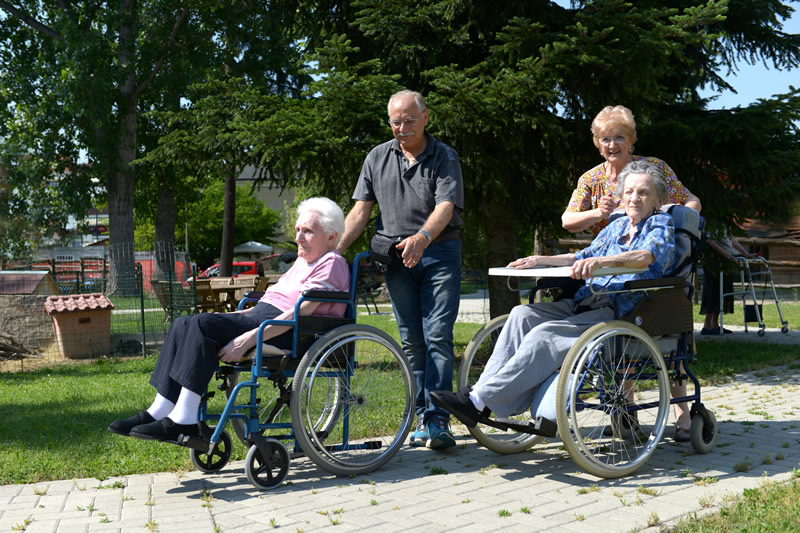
x,y
82,324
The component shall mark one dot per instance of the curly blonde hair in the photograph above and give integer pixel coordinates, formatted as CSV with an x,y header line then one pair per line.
x,y
612,117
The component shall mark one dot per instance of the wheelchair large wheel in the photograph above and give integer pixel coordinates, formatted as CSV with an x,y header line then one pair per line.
x,y
476,356
377,396
614,376
268,397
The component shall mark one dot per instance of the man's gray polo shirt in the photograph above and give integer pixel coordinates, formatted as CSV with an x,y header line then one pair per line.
x,y
407,195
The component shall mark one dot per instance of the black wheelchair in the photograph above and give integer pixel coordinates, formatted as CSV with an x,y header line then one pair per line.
x,y
611,398
343,397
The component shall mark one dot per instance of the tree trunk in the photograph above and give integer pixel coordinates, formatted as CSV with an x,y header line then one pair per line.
x,y
165,232
228,223
121,176
501,248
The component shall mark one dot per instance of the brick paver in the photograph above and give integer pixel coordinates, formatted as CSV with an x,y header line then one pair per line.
x,y
464,489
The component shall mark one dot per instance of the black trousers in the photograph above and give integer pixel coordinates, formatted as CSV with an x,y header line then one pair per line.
x,y
710,301
188,357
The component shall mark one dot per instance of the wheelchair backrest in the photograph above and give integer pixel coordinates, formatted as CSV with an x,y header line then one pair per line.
x,y
689,238
649,312
310,328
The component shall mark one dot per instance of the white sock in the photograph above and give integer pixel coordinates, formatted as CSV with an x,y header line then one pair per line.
x,y
185,410
476,400
161,407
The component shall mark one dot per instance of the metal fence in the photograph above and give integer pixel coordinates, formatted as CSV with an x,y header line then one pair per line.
x,y
79,324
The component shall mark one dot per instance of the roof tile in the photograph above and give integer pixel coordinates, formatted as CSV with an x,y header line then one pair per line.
x,y
77,302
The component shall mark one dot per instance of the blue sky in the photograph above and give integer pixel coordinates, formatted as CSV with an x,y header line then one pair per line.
x,y
756,81
752,81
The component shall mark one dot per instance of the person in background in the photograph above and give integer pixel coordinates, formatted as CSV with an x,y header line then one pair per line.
x,y
726,247
415,179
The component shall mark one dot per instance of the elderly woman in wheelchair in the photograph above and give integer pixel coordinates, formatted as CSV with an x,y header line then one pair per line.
x,y
613,380
195,344
342,392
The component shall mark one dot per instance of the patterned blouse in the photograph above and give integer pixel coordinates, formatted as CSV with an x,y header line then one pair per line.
x,y
656,234
593,185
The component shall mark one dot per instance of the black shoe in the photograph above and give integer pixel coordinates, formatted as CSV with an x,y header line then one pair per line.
x,y
165,430
124,426
459,404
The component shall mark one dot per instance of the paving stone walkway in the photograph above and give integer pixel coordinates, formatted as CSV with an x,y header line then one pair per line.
x,y
467,488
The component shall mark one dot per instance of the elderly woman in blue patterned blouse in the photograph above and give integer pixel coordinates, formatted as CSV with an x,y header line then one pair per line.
x,y
537,337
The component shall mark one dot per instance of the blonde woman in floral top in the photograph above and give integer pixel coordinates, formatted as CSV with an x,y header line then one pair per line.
x,y
614,134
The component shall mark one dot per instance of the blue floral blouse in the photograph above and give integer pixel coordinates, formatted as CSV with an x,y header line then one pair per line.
x,y
655,234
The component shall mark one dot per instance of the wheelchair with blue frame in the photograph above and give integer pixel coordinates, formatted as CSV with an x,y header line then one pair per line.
x,y
616,376
343,397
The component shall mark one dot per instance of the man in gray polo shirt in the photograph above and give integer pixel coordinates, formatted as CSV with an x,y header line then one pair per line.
x,y
416,181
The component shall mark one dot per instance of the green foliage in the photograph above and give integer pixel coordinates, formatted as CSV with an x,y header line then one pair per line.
x,y
254,222
513,88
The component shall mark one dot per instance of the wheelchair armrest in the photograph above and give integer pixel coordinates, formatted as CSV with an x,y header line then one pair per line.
x,y
256,295
655,283
332,295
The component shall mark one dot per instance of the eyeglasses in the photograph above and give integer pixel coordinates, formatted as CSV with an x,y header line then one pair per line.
x,y
406,121
619,139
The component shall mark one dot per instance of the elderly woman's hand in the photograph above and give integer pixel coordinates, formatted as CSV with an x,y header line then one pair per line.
x,y
583,268
607,205
523,262
238,347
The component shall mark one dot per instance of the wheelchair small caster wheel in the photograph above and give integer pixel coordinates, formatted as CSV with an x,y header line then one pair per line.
x,y
761,332
703,435
267,472
785,328
217,459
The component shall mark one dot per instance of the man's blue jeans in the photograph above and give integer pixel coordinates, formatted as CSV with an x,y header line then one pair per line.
x,y
425,299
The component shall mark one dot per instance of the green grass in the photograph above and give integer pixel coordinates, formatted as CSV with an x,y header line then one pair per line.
x,y
790,310
773,507
53,421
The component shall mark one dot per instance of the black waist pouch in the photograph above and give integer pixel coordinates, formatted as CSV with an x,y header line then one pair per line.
x,y
382,250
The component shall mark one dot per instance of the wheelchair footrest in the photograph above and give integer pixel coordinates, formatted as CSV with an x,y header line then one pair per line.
x,y
196,443
540,426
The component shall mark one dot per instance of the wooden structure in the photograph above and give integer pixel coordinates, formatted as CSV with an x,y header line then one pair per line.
x,y
27,282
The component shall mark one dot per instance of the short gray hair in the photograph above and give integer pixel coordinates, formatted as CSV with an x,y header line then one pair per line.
x,y
405,93
330,215
642,166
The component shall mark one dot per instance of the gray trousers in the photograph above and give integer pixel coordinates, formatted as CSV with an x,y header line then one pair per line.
x,y
531,347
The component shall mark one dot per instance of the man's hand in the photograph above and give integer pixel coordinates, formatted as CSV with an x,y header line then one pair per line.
x,y
411,249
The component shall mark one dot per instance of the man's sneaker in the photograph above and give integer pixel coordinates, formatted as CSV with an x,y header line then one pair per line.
x,y
439,436
420,435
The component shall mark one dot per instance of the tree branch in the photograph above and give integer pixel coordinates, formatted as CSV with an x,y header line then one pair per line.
x,y
159,65
30,21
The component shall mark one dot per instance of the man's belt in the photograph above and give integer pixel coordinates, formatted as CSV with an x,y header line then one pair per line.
x,y
448,234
